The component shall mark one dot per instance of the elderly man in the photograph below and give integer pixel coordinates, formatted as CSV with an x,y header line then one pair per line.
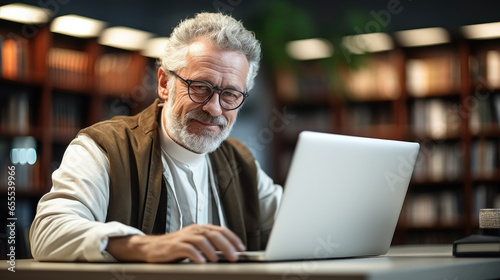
x,y
167,184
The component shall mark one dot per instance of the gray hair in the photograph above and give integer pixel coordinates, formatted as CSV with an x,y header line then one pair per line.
x,y
224,31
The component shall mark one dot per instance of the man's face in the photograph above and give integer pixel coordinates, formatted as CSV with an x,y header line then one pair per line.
x,y
202,127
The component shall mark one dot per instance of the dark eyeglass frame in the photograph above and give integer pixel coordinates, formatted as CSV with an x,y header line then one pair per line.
x,y
214,88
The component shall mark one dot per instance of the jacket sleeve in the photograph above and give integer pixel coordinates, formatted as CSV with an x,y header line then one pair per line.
x,y
70,221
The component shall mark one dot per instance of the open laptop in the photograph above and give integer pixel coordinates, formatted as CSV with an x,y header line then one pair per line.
x,y
342,198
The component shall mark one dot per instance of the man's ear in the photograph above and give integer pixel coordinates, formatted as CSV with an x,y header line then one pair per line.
x,y
162,85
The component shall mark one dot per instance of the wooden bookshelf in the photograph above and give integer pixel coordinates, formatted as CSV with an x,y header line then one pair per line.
x,y
52,86
484,126
446,97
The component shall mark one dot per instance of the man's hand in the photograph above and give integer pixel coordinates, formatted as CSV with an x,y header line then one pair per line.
x,y
196,242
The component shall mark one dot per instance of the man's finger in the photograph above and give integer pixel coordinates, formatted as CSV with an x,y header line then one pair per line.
x,y
231,236
203,244
187,250
221,243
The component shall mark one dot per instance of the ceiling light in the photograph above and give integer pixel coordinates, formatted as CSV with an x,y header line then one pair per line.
x,y
155,47
309,49
124,38
372,42
423,37
482,31
77,26
24,13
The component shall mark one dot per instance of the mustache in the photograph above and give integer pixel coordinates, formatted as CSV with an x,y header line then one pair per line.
x,y
203,116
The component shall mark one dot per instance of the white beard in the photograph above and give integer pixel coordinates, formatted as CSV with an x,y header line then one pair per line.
x,y
207,140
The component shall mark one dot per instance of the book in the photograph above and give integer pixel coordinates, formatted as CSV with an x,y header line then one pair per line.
x,y
68,114
115,73
484,158
496,107
376,79
438,162
449,210
435,74
14,58
69,68
9,59
477,246
493,68
435,118
15,111
423,210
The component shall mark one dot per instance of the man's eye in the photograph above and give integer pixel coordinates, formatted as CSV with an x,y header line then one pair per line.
x,y
228,94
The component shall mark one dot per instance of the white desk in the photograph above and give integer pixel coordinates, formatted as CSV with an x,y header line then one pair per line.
x,y
407,262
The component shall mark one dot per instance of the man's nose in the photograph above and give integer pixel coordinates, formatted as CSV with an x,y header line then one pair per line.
x,y
213,106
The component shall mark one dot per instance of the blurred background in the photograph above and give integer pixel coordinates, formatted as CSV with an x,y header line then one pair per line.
x,y
425,71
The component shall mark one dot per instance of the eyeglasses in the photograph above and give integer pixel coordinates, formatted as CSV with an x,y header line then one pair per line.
x,y
201,92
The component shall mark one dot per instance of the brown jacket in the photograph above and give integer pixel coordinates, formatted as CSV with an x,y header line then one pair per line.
x,y
137,192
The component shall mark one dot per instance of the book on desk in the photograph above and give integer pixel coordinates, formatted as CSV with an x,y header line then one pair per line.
x,y
477,246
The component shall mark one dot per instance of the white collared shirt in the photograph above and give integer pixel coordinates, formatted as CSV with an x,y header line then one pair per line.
x,y
192,193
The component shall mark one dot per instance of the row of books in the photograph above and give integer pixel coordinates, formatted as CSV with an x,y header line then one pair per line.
x,y
485,158
485,68
439,162
299,120
484,112
68,114
444,208
116,74
376,79
69,68
14,58
362,117
435,118
432,118
113,73
15,112
308,84
431,209
435,74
